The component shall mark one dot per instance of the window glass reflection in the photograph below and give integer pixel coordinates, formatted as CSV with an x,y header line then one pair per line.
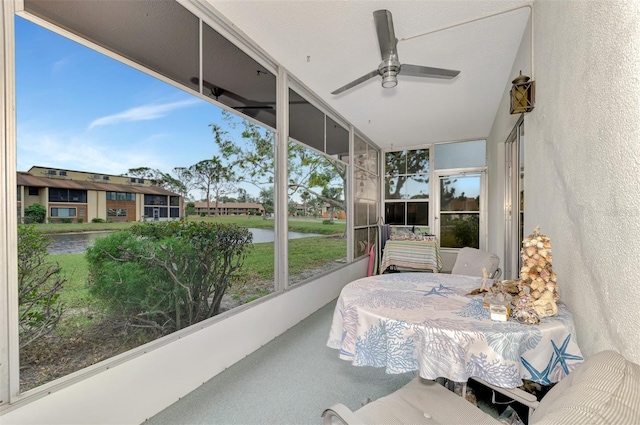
x,y
306,122
460,193
233,78
395,163
417,213
459,230
416,187
394,213
337,140
318,182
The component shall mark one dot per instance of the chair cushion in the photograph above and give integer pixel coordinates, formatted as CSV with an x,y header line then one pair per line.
x,y
605,389
423,402
470,262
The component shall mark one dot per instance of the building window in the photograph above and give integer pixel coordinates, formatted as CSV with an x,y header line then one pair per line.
x,y
63,212
174,201
155,200
33,191
174,212
117,212
63,173
140,180
67,195
407,188
121,196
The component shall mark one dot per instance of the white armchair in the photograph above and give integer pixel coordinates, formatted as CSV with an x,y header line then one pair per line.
x,y
471,261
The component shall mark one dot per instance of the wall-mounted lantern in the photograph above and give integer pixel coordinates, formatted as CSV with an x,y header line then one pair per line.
x,y
522,94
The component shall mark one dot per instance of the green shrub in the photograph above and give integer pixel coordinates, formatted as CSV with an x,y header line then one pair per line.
x,y
190,209
39,285
169,275
80,221
97,220
35,213
66,220
328,222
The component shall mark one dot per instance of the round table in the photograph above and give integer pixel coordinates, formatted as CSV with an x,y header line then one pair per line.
x,y
426,322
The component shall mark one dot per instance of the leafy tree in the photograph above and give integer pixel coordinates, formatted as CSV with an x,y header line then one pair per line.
x,y
243,196
215,178
39,286
331,193
318,175
447,192
308,170
227,199
293,208
398,165
35,213
155,176
182,181
190,209
267,199
467,230
316,206
170,275
305,197
254,159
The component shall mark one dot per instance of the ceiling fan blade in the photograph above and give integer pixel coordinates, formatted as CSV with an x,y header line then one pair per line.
x,y
356,82
427,71
242,108
386,35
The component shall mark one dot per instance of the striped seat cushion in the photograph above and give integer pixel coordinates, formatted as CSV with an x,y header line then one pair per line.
x,y
605,389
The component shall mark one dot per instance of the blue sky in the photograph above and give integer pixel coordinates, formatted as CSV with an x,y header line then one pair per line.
x,y
80,110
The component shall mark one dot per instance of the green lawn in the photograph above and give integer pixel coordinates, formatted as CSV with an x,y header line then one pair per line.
x,y
81,308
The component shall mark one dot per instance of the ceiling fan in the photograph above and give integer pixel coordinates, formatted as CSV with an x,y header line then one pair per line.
x,y
217,92
390,66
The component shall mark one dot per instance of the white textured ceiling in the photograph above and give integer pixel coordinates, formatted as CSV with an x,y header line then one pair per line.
x,y
326,44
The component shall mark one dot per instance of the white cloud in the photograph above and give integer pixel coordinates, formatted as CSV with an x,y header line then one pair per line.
x,y
140,113
81,154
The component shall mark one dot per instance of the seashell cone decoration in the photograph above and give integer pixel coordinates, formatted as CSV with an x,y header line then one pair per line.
x,y
536,272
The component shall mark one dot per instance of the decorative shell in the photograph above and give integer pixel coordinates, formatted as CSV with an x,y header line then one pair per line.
x,y
536,273
524,311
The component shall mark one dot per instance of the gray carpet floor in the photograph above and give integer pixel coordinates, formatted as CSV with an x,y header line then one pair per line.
x,y
290,380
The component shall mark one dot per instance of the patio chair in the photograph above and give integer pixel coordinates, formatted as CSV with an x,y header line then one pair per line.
x,y
470,262
604,389
419,402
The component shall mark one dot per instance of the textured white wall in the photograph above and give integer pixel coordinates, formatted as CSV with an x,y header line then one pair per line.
x,y
582,163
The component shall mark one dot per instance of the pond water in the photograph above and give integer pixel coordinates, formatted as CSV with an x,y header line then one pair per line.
x,y
77,243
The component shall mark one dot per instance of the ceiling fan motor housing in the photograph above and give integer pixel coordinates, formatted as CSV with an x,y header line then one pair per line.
x,y
390,66
389,70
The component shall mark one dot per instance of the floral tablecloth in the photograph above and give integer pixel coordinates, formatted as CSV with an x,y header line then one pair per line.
x,y
425,322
